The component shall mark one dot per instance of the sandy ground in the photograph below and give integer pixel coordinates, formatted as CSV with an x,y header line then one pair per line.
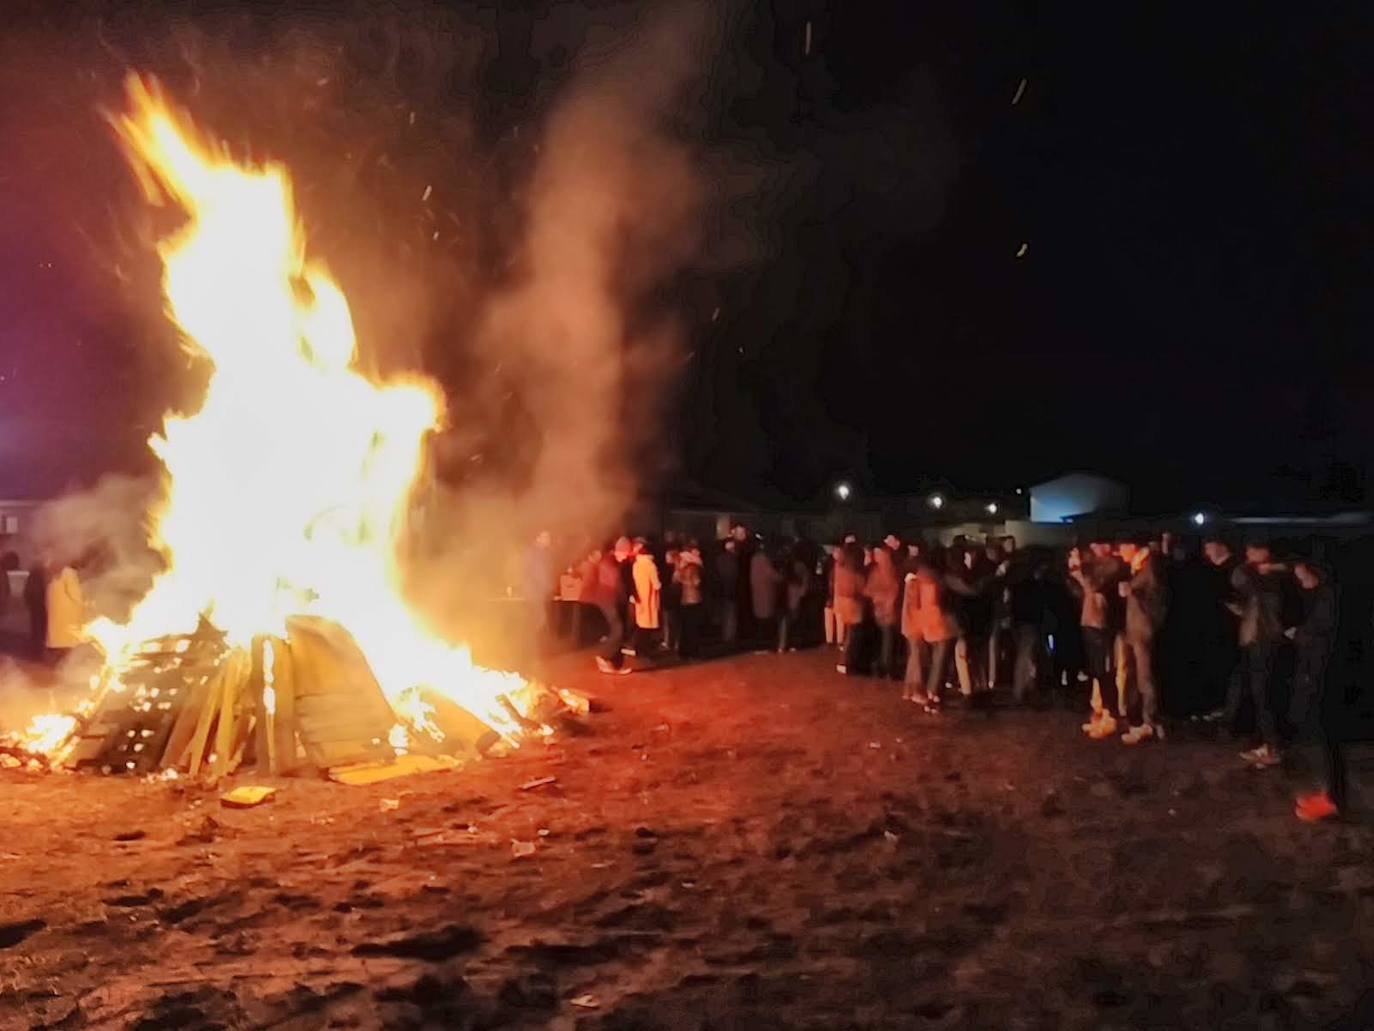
x,y
751,843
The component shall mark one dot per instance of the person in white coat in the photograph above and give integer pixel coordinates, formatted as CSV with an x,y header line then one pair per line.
x,y
66,606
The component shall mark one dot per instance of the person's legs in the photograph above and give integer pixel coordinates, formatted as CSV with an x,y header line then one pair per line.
x,y
963,665
1260,662
832,634
1026,637
691,631
850,654
886,651
784,628
609,652
1143,655
1095,647
912,681
939,669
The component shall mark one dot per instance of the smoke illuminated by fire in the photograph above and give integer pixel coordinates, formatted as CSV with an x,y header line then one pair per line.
x,y
288,491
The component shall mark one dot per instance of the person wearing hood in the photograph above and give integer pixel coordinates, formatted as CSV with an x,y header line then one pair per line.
x,y
797,579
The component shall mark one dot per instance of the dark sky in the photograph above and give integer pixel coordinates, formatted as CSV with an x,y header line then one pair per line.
x,y
1193,186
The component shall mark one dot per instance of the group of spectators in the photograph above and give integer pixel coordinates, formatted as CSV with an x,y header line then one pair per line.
x,y
1139,628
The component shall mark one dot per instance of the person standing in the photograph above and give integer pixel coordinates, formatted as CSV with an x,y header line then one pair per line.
x,y
931,626
825,571
1258,585
849,602
648,597
1313,641
689,579
611,596
36,601
66,609
765,583
796,588
1096,581
884,592
1146,606
672,598
726,587
1028,607
538,586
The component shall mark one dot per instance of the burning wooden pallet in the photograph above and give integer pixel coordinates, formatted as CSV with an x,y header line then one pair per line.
x,y
306,701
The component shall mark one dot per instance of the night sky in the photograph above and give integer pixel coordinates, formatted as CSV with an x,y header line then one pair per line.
x,y
1192,311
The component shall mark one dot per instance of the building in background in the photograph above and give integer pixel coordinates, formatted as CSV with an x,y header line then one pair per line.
x,y
1075,495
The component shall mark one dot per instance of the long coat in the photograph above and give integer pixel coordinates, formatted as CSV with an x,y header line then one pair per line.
x,y
66,609
849,594
648,592
927,610
884,589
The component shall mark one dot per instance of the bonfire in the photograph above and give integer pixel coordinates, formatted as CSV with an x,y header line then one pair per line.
x,y
278,630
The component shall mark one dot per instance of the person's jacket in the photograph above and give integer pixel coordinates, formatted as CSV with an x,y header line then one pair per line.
x,y
764,583
725,565
1147,601
799,579
1260,596
849,594
688,578
927,610
1317,631
66,610
648,592
883,588
1096,582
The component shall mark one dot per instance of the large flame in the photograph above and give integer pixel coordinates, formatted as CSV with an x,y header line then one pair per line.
x,y
288,491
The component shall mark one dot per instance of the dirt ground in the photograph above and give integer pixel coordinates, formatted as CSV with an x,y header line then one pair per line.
x,y
744,844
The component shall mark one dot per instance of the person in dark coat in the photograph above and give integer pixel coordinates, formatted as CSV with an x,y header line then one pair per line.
x,y
725,585
1258,584
797,581
1313,643
849,576
36,601
611,596
1029,607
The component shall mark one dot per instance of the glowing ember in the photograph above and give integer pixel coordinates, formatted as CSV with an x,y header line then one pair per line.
x,y
286,493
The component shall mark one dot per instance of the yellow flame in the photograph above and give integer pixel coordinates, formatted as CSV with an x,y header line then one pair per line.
x,y
286,493
45,734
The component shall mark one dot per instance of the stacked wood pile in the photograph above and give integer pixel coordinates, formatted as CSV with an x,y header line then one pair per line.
x,y
306,702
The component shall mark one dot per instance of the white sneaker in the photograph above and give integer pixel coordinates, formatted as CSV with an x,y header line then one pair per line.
x,y
1138,735
842,668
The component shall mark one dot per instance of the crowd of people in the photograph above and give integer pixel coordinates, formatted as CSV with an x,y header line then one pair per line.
x,y
1135,629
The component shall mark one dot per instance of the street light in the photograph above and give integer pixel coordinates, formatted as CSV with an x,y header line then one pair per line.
x,y
992,508
1199,518
937,501
842,491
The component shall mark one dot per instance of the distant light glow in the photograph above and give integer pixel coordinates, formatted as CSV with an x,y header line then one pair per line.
x,y
842,491
992,508
937,501
1199,518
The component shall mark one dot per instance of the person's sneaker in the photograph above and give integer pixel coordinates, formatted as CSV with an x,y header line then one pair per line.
x,y
610,670
1138,735
842,668
1215,716
1314,808
1104,728
627,650
1262,757
1091,725
919,698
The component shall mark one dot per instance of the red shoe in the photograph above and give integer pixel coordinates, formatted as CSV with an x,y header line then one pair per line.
x,y
1315,808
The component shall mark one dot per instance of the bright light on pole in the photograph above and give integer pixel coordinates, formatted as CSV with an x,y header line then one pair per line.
x,y
937,501
842,491
1199,518
992,508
